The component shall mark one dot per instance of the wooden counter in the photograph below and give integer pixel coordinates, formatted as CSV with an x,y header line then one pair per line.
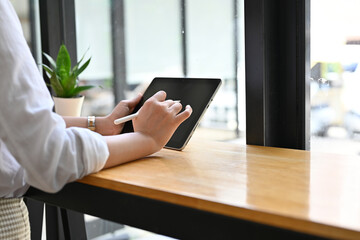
x,y
311,193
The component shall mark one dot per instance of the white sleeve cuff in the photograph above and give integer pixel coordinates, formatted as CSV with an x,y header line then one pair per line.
x,y
95,151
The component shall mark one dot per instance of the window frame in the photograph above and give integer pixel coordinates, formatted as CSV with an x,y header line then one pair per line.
x,y
277,60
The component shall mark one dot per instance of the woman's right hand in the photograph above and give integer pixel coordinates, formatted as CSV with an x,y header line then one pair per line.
x,y
159,118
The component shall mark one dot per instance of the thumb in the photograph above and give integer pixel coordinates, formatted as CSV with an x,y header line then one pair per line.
x,y
133,102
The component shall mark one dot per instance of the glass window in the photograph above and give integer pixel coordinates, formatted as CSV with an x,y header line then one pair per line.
x,y
93,36
28,13
171,39
93,31
163,38
335,72
152,40
211,53
23,11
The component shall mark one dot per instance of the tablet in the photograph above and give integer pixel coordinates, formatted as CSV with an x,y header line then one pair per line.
x,y
196,92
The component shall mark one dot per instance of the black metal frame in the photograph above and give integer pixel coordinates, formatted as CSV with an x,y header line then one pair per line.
x,y
57,20
57,26
159,217
277,72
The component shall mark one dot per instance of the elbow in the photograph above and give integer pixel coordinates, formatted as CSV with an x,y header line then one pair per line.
x,y
52,182
49,188
46,186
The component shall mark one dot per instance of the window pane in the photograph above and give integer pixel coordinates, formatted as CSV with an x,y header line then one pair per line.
x,y
210,29
168,38
211,53
153,39
28,13
93,36
93,31
335,51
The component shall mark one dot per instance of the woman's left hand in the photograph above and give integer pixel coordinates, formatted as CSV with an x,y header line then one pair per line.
x,y
106,126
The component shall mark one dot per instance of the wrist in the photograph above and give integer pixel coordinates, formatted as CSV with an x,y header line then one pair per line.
x,y
105,126
150,142
91,123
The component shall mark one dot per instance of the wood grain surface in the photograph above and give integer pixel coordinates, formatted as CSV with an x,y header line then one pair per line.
x,y
315,193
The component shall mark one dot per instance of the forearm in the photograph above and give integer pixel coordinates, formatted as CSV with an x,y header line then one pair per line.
x,y
105,125
127,147
75,122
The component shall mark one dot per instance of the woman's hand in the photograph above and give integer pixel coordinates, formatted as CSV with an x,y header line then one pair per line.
x,y
156,123
158,119
106,126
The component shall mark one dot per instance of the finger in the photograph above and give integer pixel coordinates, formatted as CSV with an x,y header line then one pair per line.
x,y
175,107
160,96
168,103
184,114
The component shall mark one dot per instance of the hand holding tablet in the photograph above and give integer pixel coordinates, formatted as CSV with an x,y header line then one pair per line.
x,y
196,92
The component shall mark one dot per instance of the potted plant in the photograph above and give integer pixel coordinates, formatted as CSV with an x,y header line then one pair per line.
x,y
65,84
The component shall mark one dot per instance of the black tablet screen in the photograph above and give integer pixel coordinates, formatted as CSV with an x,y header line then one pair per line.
x,y
196,92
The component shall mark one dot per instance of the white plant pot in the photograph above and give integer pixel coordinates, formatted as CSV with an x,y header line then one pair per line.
x,y
68,106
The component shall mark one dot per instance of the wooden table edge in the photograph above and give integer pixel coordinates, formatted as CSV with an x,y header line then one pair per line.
x,y
252,215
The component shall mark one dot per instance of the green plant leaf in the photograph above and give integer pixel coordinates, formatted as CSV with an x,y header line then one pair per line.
x,y
70,83
63,63
63,79
79,89
48,70
82,68
78,63
56,85
51,60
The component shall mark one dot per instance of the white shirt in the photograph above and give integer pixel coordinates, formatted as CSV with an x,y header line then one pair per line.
x,y
36,148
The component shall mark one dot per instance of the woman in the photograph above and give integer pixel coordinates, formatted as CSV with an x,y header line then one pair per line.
x,y
41,149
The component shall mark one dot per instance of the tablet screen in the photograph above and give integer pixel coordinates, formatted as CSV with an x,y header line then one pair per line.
x,y
196,92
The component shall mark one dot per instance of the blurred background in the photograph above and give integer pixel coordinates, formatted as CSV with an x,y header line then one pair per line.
x,y
335,76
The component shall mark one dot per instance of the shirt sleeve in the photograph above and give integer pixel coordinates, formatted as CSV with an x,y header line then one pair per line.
x,y
50,154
